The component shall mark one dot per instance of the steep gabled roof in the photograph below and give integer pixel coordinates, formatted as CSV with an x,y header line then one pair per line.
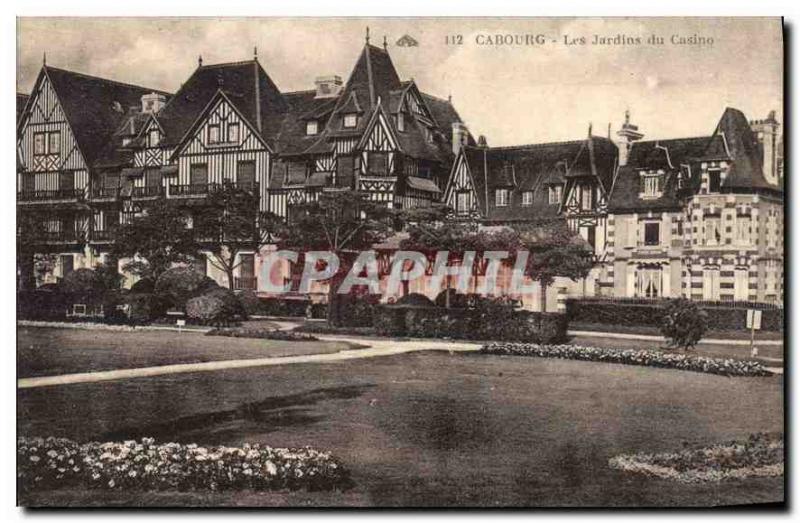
x,y
532,168
302,106
95,107
743,147
22,100
246,85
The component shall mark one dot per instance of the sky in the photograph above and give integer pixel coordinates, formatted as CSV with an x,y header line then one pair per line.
x,y
512,94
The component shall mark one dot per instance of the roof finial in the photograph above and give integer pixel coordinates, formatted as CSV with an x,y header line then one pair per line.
x,y
609,130
367,37
385,45
255,53
199,60
590,129
450,98
44,58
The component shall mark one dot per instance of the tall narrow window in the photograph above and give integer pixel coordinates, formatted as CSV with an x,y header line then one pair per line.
x,y
714,180
39,143
233,133
651,233
54,142
554,194
712,233
586,197
462,202
501,197
155,138
741,284
401,122
711,283
246,173
743,226
198,175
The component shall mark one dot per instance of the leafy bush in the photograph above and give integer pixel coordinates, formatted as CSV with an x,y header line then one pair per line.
x,y
250,303
355,310
52,463
215,306
457,300
684,323
83,282
42,304
646,358
142,307
264,334
761,455
177,285
324,328
415,299
144,285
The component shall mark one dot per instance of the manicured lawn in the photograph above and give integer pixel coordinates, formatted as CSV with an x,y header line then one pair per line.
x,y
52,351
431,429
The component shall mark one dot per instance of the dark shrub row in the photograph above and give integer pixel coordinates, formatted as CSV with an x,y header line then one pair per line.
x,y
144,465
264,334
646,358
652,314
485,322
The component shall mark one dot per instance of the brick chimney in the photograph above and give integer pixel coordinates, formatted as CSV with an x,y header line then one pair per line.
x,y
628,134
460,136
153,102
328,86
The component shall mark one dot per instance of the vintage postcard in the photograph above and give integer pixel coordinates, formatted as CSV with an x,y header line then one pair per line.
x,y
400,262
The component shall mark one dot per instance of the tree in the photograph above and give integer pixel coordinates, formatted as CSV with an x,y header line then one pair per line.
x,y
684,323
553,251
155,240
32,263
227,226
341,222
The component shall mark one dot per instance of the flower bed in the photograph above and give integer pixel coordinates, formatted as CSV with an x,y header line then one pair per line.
x,y
144,465
265,334
760,456
648,358
75,325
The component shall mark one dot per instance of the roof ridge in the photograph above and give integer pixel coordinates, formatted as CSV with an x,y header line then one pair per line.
x,y
227,64
107,80
530,145
304,91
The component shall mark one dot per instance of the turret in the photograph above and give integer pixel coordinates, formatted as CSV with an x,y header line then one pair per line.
x,y
767,133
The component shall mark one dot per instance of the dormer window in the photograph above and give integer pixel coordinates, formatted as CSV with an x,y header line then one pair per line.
x,y
213,133
350,120
312,127
501,197
527,198
554,195
401,122
153,138
652,185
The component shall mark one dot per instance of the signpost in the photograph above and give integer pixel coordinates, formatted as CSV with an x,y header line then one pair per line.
x,y
754,324
181,324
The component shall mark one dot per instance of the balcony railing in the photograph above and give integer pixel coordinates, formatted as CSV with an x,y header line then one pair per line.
x,y
148,191
68,236
203,189
101,236
244,283
49,195
105,193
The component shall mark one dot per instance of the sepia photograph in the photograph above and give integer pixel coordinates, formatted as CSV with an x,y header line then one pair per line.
x,y
399,262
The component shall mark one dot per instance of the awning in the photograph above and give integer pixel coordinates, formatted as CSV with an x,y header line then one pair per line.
x,y
169,170
422,184
132,171
319,179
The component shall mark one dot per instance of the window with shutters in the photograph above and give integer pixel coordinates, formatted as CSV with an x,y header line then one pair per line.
x,y
712,233
711,283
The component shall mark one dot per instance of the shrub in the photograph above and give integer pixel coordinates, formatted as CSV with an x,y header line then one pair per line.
x,y
684,323
457,300
142,307
177,285
250,303
83,282
42,304
324,328
354,310
215,306
647,358
264,334
415,299
144,465
144,285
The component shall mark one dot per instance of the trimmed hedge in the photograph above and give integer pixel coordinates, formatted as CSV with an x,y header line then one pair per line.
x,y
645,358
487,322
652,315
214,306
263,334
